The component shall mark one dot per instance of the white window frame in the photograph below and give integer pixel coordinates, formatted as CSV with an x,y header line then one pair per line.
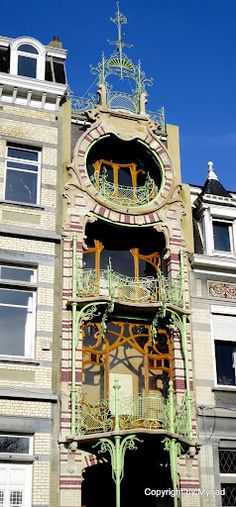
x,y
22,286
8,468
227,478
231,241
224,311
40,68
13,435
29,162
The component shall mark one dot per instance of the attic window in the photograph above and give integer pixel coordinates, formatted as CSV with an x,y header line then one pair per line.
x,y
4,59
27,60
27,48
222,234
55,70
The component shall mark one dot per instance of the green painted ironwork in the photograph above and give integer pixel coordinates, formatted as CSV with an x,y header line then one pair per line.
x,y
158,117
180,323
78,317
122,100
171,444
118,64
118,448
174,448
81,104
124,195
118,287
148,411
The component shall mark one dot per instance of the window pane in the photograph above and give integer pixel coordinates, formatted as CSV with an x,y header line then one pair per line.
x,y
15,297
16,323
16,498
225,362
14,444
12,273
227,461
221,237
122,261
48,71
4,59
229,499
20,153
21,186
59,71
27,66
28,49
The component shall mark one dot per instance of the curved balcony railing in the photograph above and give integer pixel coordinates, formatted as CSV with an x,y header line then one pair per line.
x,y
124,195
141,411
122,288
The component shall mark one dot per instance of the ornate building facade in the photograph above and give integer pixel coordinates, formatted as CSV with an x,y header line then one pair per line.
x,y
128,421
99,275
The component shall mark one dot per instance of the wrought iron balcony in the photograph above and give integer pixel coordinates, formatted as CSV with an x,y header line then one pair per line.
x,y
142,411
121,288
124,195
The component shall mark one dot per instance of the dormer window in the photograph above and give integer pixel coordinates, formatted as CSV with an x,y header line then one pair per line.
x,y
27,60
222,236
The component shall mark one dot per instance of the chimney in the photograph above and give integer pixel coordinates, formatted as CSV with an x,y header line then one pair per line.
x,y
56,43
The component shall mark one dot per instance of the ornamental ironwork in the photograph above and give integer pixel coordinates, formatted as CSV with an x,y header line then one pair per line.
x,y
118,65
119,287
147,411
125,195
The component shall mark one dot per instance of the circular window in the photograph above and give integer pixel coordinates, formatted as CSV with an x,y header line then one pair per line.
x,y
126,172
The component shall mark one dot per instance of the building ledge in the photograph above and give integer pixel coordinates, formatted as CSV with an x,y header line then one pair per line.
x,y
88,442
227,389
16,458
213,262
32,233
27,394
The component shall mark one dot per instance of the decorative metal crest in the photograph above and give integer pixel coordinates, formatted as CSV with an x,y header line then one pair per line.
x,y
119,65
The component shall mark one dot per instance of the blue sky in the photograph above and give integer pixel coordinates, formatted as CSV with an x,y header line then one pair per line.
x,y
187,46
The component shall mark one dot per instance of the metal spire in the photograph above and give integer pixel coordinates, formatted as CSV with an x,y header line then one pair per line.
x,y
120,20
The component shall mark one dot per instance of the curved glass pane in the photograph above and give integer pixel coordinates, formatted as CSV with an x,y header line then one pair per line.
x,y
28,49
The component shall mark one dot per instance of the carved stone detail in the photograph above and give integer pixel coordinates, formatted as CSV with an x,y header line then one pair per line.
x,y
222,290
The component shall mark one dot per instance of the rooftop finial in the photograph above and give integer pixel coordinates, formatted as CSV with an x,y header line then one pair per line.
x,y
211,172
120,20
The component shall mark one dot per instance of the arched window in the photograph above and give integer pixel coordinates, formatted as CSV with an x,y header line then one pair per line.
x,y
27,60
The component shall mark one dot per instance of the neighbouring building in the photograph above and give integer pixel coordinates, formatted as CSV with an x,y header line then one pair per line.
x,y
213,301
32,85
117,362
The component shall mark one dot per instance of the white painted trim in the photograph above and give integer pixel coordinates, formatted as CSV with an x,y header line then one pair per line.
x,y
223,310
56,54
213,353
214,261
216,273
207,232
27,83
40,57
223,212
